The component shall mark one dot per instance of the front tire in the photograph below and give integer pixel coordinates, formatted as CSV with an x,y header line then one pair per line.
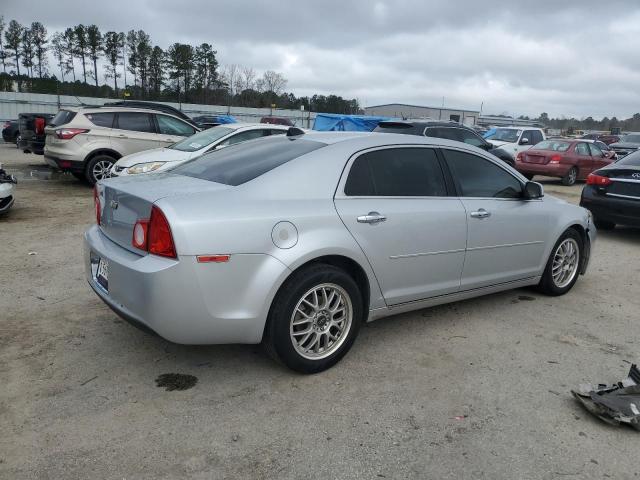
x,y
98,168
563,266
314,319
571,177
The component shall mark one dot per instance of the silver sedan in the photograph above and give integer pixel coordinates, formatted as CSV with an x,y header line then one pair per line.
x,y
297,240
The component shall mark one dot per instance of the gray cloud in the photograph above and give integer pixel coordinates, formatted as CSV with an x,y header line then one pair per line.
x,y
572,58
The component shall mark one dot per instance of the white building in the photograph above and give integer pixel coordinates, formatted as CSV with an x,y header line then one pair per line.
x,y
401,110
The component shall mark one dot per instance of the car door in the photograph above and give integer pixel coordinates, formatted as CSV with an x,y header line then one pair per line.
x,y
395,203
584,159
597,157
171,129
525,142
505,233
134,132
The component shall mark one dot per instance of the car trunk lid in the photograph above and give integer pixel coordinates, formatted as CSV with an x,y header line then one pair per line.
x,y
125,200
536,156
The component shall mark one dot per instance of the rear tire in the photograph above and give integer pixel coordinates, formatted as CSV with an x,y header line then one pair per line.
x,y
604,225
571,177
98,168
563,266
314,319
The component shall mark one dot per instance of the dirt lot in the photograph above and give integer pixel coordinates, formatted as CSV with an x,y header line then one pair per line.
x,y
478,389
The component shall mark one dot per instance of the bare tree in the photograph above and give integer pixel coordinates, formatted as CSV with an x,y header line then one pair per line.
x,y
273,82
248,76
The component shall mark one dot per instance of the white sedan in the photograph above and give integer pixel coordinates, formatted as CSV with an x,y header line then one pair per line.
x,y
160,159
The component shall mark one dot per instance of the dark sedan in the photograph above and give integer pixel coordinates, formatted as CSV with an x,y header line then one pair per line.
x,y
10,131
612,193
627,144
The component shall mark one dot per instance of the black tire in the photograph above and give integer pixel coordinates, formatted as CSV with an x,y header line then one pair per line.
x,y
91,168
80,176
571,177
603,224
277,337
547,283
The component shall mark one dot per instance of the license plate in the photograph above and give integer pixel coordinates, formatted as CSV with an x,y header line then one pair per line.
x,y
102,275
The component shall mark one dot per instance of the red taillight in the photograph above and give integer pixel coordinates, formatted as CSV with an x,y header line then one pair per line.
x,y
38,124
555,159
520,156
69,133
598,180
96,203
159,233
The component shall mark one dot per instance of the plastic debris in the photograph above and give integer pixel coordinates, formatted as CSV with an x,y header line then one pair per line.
x,y
616,403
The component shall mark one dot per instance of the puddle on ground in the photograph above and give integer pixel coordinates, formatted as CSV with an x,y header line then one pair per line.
x,y
176,381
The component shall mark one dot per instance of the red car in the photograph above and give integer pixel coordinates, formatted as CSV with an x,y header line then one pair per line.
x,y
570,160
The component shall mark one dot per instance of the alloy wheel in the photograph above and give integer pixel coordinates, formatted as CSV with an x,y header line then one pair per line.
x,y
565,263
102,170
321,321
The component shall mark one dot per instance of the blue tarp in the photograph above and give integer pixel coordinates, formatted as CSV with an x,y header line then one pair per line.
x,y
226,119
330,122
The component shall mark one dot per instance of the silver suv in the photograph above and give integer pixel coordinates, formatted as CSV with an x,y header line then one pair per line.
x,y
88,141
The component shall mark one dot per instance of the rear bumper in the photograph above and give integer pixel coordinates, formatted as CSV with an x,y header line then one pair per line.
x,y
621,211
549,169
64,164
182,300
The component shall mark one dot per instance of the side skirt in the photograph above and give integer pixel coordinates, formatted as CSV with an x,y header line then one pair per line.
x,y
378,313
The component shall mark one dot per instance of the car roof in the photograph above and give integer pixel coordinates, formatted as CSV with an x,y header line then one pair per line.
x,y
422,123
248,125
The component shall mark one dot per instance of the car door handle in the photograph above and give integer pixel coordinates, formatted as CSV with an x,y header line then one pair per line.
x,y
169,140
122,136
371,217
481,213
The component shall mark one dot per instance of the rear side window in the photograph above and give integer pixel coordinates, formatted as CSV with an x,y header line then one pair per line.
x,y
537,136
136,122
101,119
478,177
396,172
241,163
62,117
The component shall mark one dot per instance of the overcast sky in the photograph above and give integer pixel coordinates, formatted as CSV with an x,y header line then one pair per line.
x,y
572,58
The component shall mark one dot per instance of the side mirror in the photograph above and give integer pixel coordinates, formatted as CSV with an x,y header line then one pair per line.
x,y
533,190
524,141
487,146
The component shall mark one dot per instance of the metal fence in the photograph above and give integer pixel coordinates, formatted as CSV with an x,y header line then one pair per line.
x,y
12,103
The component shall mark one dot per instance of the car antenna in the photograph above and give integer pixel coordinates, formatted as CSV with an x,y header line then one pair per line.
x,y
294,132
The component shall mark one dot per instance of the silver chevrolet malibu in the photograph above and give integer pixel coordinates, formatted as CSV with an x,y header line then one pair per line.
x,y
297,240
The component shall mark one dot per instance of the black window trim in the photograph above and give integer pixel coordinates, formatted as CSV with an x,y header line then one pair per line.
x,y
500,164
342,183
457,127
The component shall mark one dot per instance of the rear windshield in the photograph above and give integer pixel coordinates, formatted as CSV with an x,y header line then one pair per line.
x,y
633,159
201,139
631,138
553,145
62,117
240,163
399,127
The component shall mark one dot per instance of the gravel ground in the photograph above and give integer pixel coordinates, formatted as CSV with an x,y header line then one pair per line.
x,y
477,389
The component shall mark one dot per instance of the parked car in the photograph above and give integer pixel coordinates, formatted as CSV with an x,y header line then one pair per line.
x,y
31,127
208,121
627,144
7,183
10,131
570,160
297,240
605,138
608,151
158,107
515,139
612,193
277,121
443,129
160,159
88,141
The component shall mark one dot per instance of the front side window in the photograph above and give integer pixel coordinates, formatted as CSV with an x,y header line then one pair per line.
x,y
528,135
471,138
595,150
172,126
478,177
537,136
201,139
582,149
136,122
508,135
396,172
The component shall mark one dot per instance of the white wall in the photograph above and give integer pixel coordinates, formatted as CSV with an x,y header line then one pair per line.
x,y
13,103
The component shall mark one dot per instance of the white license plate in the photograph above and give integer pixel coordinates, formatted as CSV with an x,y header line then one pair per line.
x,y
102,275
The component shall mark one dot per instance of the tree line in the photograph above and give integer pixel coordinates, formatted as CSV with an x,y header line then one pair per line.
x,y
90,62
